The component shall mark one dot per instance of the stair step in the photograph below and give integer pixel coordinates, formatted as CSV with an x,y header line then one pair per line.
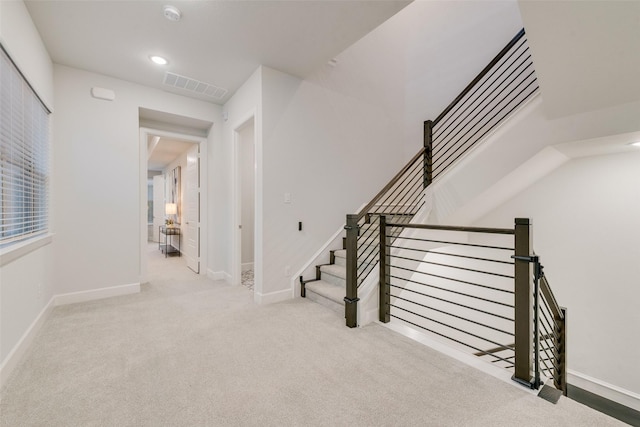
x,y
326,294
334,274
340,257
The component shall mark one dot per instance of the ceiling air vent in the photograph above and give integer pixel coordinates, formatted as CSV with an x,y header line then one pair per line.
x,y
192,85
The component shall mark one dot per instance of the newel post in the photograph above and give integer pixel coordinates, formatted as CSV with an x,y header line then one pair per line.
x,y
428,153
384,288
523,303
351,298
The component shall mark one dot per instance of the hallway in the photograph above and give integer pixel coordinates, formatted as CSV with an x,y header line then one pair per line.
x,y
190,351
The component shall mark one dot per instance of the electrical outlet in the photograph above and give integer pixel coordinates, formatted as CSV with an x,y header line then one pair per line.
x,y
287,271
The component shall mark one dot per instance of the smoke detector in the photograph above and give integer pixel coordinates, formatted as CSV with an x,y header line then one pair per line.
x,y
172,13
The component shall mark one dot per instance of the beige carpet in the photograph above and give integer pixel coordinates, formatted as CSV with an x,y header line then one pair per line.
x,y
192,352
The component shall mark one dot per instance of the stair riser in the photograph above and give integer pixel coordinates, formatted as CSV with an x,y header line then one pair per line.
x,y
334,280
337,307
341,261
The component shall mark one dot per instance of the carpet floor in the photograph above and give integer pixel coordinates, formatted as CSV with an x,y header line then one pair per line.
x,y
187,351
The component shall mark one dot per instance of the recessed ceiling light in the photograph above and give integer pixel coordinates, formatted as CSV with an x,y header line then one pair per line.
x,y
158,60
172,13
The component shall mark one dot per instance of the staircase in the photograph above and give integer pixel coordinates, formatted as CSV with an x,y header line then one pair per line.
x,y
329,286
419,280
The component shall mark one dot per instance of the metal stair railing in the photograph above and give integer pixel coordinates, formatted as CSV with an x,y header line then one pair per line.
x,y
486,293
502,86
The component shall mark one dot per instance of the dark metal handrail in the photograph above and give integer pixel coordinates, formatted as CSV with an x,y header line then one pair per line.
x,y
479,77
455,228
495,94
368,208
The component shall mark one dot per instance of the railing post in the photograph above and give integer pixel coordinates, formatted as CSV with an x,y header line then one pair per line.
x,y
384,298
351,298
561,346
428,153
523,303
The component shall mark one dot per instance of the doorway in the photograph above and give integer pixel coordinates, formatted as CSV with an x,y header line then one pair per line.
x,y
245,196
178,178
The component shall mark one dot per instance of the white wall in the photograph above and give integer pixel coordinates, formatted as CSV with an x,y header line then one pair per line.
x,y
330,151
247,161
26,284
21,39
243,105
458,193
447,45
318,137
97,172
584,218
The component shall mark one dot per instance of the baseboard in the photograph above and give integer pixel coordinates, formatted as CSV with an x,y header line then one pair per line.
x,y
19,350
95,294
215,275
605,390
272,297
606,406
466,358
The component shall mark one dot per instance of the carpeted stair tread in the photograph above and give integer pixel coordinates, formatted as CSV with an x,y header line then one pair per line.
x,y
341,253
335,270
327,290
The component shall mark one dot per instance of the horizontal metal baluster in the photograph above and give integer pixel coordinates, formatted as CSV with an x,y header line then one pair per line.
x,y
454,315
422,261
442,136
437,159
452,291
471,334
452,255
446,242
508,112
454,303
439,124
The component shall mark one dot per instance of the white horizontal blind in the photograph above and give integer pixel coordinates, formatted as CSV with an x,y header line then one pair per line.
x,y
24,157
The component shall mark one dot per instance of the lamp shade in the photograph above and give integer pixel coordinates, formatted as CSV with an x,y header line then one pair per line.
x,y
171,209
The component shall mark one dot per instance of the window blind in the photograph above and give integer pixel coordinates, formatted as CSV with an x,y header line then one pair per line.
x,y
24,157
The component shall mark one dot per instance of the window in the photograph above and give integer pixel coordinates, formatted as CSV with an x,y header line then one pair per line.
x,y
24,157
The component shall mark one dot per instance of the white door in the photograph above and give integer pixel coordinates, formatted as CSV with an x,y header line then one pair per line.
x,y
158,204
191,229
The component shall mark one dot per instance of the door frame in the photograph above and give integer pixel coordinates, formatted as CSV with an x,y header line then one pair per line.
x,y
204,232
236,263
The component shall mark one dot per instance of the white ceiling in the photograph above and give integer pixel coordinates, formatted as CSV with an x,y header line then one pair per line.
x,y
220,42
586,53
164,152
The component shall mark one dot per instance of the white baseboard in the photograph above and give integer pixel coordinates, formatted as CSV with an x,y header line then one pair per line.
x,y
272,297
603,389
215,275
19,350
95,294
17,353
466,358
